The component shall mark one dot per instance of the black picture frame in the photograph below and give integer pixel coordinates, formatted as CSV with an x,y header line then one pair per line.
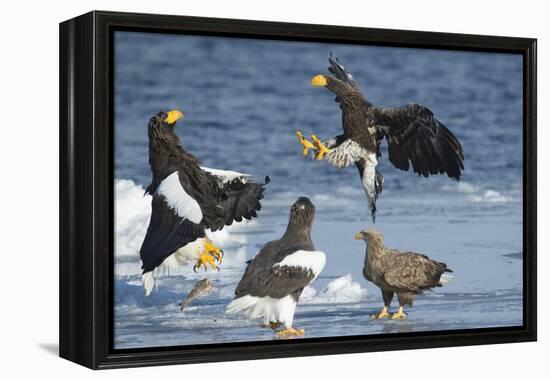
x,y
86,189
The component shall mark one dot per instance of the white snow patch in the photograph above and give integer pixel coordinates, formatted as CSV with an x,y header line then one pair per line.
x,y
340,290
491,196
132,213
465,187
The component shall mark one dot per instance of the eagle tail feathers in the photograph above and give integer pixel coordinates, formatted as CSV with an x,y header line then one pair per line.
x,y
148,282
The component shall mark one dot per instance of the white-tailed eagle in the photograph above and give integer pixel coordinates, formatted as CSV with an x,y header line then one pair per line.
x,y
415,137
274,280
402,272
187,200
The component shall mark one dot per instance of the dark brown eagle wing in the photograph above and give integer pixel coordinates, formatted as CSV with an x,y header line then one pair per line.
x,y
415,135
237,199
412,271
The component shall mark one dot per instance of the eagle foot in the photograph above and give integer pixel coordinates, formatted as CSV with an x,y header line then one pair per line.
x,y
206,258
214,251
319,147
381,315
306,144
400,315
291,332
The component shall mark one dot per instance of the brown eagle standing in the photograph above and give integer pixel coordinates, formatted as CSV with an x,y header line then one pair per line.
x,y
415,137
402,272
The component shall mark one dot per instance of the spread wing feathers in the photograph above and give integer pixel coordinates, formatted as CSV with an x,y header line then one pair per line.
x,y
167,232
238,197
409,271
415,135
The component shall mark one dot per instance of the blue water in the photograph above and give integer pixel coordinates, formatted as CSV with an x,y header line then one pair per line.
x,y
244,100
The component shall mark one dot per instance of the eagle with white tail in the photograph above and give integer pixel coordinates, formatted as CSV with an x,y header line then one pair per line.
x,y
188,200
274,280
402,272
415,137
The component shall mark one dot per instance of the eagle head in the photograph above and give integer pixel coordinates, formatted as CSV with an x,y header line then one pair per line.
x,y
302,212
165,120
368,235
337,86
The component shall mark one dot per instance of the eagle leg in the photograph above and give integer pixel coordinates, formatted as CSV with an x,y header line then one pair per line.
x,y
307,145
399,315
319,147
272,325
381,315
290,332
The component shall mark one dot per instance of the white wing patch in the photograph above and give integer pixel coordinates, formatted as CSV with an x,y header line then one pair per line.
x,y
346,154
313,260
225,175
178,199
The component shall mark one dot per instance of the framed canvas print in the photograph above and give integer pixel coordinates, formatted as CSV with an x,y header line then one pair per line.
x,y
238,189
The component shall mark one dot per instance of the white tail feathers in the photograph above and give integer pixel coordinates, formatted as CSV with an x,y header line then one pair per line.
x,y
148,282
445,279
270,309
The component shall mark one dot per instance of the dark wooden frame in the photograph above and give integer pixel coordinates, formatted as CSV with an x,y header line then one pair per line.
x,y
86,189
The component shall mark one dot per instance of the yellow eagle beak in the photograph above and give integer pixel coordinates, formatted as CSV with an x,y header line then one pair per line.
x,y
358,236
319,81
173,116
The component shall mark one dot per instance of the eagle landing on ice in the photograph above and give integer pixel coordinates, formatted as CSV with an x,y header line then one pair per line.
x,y
187,200
415,137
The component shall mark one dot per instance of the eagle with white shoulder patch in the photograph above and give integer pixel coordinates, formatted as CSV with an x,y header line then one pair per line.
x,y
274,280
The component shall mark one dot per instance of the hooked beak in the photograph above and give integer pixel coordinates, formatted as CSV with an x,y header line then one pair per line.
x,y
319,81
359,236
173,116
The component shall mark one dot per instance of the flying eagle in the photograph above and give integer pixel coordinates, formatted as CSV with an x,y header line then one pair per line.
x,y
402,272
274,280
187,200
415,137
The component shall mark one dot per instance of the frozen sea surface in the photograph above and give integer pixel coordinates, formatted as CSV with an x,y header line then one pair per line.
x,y
243,102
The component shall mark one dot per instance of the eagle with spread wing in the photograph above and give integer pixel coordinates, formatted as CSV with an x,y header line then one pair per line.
x,y
187,200
415,137
405,273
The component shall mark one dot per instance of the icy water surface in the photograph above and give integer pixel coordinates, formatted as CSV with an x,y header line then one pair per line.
x,y
244,100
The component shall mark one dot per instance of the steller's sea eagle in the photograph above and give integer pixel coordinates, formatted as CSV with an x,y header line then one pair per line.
x,y
415,137
402,272
187,200
274,280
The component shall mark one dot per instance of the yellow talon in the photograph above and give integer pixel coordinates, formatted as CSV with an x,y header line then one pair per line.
x,y
210,255
399,315
381,315
320,147
205,258
305,143
287,333
212,250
